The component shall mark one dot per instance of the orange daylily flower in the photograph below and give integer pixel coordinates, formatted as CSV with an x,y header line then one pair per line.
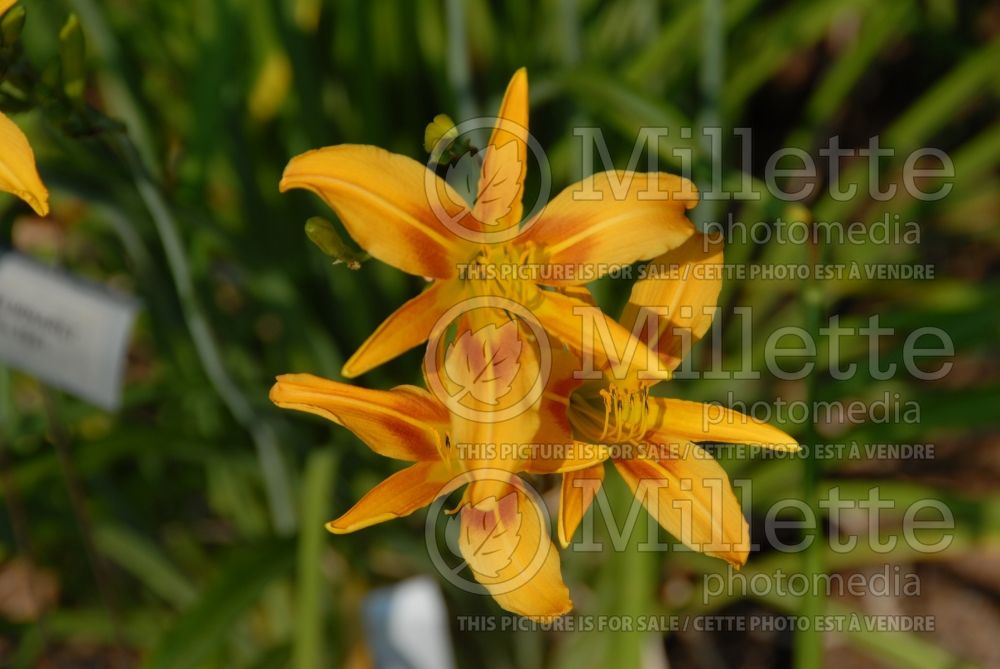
x,y
402,213
18,173
680,484
503,536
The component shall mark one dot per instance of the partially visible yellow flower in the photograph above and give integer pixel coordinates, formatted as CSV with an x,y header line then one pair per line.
x,y
306,14
652,440
18,174
405,215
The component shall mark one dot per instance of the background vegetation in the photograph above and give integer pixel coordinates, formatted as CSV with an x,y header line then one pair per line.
x,y
203,506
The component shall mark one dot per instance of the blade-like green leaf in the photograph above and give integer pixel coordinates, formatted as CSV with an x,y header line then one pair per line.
x,y
207,625
144,561
318,485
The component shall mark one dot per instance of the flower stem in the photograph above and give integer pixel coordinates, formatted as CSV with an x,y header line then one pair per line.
x,y
458,59
711,74
808,652
138,157
272,465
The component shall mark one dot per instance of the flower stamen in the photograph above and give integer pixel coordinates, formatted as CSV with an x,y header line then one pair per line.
x,y
626,410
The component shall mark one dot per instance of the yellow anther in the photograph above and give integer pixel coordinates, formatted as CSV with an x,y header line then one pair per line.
x,y
627,411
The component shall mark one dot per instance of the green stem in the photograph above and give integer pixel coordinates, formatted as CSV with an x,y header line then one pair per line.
x,y
138,161
60,440
115,86
308,648
569,12
808,653
711,77
632,579
271,463
458,60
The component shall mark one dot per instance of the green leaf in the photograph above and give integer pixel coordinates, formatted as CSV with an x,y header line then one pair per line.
x,y
208,624
941,103
11,25
905,650
883,25
73,58
790,32
144,560
318,485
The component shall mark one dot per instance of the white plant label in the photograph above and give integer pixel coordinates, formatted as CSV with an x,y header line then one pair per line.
x,y
69,333
406,626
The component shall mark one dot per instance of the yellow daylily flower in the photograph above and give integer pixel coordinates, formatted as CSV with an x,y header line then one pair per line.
x,y
655,437
18,173
502,536
402,213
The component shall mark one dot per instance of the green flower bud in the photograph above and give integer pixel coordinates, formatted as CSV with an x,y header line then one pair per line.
x,y
72,58
11,25
322,233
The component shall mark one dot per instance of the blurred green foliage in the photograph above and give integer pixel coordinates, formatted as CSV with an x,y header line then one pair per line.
x,y
216,97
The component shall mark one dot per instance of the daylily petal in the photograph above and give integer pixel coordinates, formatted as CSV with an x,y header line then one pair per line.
x,y
581,293
399,495
18,173
693,421
506,543
5,5
680,289
501,179
689,494
408,326
612,218
402,423
489,372
575,497
393,206
566,457
586,330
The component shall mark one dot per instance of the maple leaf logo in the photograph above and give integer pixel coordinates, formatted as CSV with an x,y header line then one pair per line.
x,y
463,175
490,534
484,363
499,184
